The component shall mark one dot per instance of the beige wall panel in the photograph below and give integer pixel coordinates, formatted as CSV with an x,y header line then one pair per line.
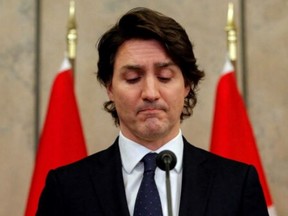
x,y
17,121
267,43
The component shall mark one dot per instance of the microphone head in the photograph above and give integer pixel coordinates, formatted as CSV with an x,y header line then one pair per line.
x,y
166,158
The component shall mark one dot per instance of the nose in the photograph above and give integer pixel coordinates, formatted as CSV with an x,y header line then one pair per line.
x,y
150,89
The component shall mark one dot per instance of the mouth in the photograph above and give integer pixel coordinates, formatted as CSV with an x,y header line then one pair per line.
x,y
150,112
151,109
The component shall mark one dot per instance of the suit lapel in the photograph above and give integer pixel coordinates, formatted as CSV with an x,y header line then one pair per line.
x,y
196,181
108,182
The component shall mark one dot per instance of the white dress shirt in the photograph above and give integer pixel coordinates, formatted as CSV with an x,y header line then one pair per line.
x,y
132,153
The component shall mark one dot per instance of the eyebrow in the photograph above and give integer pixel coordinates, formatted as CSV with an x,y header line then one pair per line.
x,y
132,67
137,67
164,64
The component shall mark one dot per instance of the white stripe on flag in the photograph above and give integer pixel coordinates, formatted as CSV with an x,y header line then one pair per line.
x,y
272,211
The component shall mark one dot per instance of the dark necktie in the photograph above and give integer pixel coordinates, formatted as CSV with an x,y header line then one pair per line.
x,y
148,199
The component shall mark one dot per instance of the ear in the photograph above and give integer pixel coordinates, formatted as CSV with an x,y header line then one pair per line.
x,y
109,90
187,90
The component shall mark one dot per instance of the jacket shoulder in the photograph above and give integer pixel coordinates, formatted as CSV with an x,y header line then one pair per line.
x,y
95,162
214,162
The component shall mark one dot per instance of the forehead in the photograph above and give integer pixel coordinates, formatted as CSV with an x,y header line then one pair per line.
x,y
140,50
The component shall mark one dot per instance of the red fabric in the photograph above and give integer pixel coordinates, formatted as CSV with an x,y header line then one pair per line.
x,y
232,135
62,140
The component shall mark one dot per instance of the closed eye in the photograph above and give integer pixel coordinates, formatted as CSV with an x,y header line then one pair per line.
x,y
133,80
164,79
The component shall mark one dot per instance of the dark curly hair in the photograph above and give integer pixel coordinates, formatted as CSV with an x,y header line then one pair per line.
x,y
144,23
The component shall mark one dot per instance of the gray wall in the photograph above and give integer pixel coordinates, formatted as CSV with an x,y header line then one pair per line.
x,y
27,69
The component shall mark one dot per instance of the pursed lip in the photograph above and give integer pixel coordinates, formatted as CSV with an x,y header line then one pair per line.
x,y
151,109
150,113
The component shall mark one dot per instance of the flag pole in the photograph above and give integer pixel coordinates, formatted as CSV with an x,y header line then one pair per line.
x,y
231,32
71,36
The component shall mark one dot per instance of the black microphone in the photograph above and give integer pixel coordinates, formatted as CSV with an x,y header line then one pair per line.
x,y
166,161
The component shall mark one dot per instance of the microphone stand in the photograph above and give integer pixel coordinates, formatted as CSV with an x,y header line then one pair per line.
x,y
166,160
168,187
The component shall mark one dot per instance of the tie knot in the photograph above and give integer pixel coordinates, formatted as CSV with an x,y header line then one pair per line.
x,y
149,161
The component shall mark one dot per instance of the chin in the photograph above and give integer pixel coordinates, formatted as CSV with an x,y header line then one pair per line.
x,y
155,132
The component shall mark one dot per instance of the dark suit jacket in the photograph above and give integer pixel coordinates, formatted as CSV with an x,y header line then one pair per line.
x,y
212,186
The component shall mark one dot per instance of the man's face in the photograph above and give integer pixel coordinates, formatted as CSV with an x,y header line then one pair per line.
x,y
148,91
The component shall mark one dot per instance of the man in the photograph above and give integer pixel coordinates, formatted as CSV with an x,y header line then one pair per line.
x,y
147,65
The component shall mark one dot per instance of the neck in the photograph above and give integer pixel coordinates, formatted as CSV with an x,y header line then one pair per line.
x,y
152,142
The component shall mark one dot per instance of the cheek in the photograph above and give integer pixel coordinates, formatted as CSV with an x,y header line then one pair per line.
x,y
176,100
177,93
125,100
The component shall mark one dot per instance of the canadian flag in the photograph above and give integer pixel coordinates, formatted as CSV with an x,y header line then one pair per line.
x,y
232,135
62,139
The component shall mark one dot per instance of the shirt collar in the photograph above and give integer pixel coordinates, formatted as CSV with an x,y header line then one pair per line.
x,y
132,152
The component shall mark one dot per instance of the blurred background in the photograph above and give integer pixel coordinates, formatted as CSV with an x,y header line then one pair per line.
x,y
32,41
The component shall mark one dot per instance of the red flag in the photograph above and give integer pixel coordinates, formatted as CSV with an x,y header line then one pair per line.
x,y
62,140
232,134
